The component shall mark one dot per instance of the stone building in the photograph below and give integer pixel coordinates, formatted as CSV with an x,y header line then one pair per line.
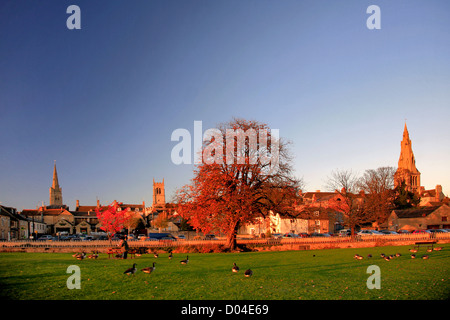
x,y
432,217
5,222
159,198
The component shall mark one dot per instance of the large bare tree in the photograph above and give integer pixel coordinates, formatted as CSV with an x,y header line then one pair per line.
x,y
348,200
378,187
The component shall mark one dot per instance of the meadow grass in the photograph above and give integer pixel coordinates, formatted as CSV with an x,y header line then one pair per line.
x,y
279,275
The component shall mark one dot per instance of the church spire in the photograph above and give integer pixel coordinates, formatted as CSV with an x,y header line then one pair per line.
x,y
407,170
55,190
55,184
406,133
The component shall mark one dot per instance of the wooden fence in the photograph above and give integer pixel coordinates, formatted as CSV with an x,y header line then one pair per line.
x,y
175,243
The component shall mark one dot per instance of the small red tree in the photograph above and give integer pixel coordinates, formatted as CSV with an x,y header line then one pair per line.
x,y
113,218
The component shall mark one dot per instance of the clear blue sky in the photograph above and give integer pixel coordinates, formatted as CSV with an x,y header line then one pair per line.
x,y
103,101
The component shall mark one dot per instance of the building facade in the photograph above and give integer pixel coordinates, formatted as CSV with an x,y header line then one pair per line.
x,y
433,217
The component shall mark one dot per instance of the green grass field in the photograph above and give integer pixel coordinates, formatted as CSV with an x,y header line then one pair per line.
x,y
290,275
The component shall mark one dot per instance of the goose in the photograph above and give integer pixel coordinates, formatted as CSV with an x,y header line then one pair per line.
x,y
359,257
413,250
425,257
387,258
429,250
248,273
356,256
369,256
398,255
438,249
235,268
170,256
131,270
155,255
382,255
149,269
81,256
413,256
185,261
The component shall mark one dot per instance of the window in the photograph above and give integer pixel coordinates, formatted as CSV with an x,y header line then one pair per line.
x,y
444,218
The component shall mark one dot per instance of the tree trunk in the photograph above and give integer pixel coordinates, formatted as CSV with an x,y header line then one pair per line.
x,y
231,242
231,238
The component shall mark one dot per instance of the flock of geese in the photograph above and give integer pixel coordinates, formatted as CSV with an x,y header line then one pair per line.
x,y
393,256
235,268
148,270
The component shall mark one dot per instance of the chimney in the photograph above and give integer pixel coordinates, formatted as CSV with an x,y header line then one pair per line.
x,y
98,203
78,204
438,193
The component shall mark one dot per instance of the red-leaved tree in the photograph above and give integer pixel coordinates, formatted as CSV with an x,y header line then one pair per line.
x,y
113,218
236,183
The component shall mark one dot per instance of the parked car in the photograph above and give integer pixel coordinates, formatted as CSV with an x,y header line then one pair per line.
x,y
402,231
345,232
369,233
277,235
438,230
210,237
303,235
290,235
45,237
421,231
160,236
181,237
388,232
316,234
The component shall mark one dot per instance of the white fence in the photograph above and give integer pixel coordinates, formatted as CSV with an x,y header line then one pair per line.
x,y
175,243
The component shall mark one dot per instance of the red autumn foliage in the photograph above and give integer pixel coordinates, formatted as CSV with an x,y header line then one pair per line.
x,y
222,197
113,218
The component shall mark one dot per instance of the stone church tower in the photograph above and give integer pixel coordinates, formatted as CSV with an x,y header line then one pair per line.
x,y
159,199
55,191
407,170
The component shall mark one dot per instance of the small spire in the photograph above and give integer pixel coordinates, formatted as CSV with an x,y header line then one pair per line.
x,y
405,131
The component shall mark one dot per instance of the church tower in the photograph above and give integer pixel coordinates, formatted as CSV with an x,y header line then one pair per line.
x,y
55,191
407,170
159,198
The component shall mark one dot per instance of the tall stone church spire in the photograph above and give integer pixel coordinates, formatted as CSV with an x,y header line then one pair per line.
x,y
55,190
407,170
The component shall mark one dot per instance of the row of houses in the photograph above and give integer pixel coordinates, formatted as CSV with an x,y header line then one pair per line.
x,y
54,220
315,217
14,226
